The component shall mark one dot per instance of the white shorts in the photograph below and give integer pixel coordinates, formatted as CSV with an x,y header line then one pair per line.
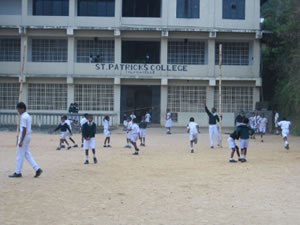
x,y
244,143
106,133
128,135
262,130
231,143
134,137
285,133
89,144
143,132
193,136
63,135
169,123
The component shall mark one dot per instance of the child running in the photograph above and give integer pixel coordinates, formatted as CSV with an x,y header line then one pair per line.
x,y
135,131
169,122
128,132
88,132
63,127
69,134
231,144
106,132
193,130
285,126
143,126
243,131
262,126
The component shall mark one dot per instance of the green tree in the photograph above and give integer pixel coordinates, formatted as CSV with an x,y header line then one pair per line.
x,y
281,58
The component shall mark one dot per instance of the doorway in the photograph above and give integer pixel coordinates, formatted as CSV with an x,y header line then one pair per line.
x,y
140,99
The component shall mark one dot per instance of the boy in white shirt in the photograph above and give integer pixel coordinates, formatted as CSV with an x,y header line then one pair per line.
x,y
82,122
135,133
147,117
169,122
24,139
67,121
262,126
128,132
285,131
193,130
106,132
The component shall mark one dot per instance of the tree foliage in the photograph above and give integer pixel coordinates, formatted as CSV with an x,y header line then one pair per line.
x,y
281,57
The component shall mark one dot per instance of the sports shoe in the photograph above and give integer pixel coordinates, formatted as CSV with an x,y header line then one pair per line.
x,y
86,162
62,146
81,145
243,160
262,140
136,152
192,151
104,146
127,146
108,146
58,148
95,160
69,147
15,175
211,147
240,159
287,147
75,146
38,173
232,161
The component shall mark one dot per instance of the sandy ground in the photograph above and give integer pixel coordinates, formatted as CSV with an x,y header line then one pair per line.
x,y
164,185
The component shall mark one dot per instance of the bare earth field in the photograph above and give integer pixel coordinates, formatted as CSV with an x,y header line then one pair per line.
x,y
164,185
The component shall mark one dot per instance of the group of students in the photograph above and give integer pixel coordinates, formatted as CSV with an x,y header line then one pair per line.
x,y
135,131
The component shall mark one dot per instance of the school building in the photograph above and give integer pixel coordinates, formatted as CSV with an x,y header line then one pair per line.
x,y
119,56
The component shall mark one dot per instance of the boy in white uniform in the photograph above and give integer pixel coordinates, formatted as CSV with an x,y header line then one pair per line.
x,y
135,132
285,131
147,117
276,117
23,144
89,132
132,116
262,126
231,144
82,122
193,130
143,126
128,132
169,122
68,133
252,120
106,132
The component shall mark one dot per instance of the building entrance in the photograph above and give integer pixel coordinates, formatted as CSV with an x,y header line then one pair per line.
x,y
140,99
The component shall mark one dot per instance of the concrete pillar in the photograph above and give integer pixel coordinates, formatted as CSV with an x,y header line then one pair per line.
x,y
165,11
70,84
71,54
118,12
24,10
72,12
163,101
164,51
256,96
117,99
211,57
118,49
210,95
256,57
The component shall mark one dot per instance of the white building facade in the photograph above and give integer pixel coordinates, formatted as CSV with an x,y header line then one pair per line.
x,y
119,56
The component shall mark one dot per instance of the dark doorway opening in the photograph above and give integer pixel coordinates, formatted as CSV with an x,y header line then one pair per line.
x,y
140,99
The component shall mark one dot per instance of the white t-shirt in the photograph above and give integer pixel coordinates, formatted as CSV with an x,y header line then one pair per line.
x,y
147,117
263,122
83,121
192,127
284,124
25,122
169,116
106,124
69,123
135,130
129,125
